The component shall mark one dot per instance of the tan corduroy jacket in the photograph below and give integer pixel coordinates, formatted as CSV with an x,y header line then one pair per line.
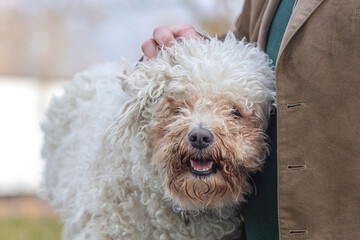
x,y
318,102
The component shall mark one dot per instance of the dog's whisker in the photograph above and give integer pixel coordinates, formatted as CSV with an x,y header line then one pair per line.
x,y
213,190
215,193
222,141
207,190
224,191
194,191
187,191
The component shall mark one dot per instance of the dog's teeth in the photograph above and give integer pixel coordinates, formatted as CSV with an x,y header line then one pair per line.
x,y
201,169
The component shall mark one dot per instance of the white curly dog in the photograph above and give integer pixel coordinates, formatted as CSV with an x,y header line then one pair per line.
x,y
162,149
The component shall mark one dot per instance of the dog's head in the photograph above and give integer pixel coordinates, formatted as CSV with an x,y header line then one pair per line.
x,y
204,113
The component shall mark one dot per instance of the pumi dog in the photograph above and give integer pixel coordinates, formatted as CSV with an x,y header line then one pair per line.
x,y
162,149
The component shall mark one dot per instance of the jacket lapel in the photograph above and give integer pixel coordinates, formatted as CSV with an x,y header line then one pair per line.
x,y
266,22
301,13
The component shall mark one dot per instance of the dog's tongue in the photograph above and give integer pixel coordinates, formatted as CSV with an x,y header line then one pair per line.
x,y
201,165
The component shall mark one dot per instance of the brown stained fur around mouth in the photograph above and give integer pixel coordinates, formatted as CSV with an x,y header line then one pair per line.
x,y
228,170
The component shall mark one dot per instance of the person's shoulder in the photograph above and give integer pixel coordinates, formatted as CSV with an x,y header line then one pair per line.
x,y
247,24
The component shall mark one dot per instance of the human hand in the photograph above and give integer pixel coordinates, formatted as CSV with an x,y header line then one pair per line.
x,y
165,36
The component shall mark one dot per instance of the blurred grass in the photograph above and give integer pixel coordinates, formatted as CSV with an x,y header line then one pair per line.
x,y
29,229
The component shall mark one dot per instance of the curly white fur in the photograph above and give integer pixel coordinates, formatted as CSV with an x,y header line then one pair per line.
x,y
99,174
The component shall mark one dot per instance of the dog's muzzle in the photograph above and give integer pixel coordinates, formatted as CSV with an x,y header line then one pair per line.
x,y
200,139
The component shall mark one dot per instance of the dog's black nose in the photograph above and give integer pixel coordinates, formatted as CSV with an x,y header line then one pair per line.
x,y
200,137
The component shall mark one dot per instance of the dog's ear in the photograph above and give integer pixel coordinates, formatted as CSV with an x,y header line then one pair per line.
x,y
146,94
127,80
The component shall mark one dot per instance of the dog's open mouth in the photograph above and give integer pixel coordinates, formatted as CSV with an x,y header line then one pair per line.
x,y
202,167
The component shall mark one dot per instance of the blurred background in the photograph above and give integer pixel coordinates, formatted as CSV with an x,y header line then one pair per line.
x,y
42,44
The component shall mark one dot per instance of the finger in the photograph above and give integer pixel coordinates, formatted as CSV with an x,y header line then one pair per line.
x,y
163,36
184,30
150,49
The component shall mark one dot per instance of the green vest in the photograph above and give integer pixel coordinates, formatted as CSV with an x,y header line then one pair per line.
x,y
260,212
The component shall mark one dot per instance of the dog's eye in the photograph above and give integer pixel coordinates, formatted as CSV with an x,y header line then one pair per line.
x,y
178,111
235,112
